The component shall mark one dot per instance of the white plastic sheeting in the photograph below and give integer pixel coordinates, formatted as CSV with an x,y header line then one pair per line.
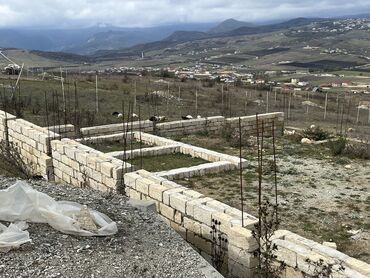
x,y
13,236
21,203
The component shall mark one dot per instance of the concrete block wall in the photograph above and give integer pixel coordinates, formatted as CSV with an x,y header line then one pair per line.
x,y
152,151
146,126
183,127
116,137
193,151
79,165
192,215
4,118
33,144
65,131
294,250
199,170
212,125
249,123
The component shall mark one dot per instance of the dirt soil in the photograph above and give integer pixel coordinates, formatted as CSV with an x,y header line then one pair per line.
x,y
320,197
143,247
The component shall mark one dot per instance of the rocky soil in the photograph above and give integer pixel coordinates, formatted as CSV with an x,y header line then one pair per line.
x,y
321,196
143,247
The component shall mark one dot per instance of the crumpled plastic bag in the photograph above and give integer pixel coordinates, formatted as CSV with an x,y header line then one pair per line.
x,y
13,236
20,202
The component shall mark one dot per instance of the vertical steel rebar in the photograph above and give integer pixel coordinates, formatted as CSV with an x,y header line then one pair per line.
x,y
275,169
241,171
259,190
140,141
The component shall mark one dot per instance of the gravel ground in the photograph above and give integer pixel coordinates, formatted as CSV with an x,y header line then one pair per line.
x,y
143,247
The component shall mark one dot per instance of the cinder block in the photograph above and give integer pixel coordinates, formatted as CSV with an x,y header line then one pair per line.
x,y
193,194
142,185
81,157
239,270
206,232
91,161
178,217
179,229
130,179
106,169
242,256
70,152
178,201
203,214
167,211
192,225
191,204
132,193
118,171
242,238
358,265
156,191
203,244
168,193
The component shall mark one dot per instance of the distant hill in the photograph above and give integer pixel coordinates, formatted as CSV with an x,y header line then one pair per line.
x,y
296,22
229,25
92,39
181,36
188,36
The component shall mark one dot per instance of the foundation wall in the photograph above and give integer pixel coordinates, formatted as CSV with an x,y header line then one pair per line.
x,y
31,142
193,215
200,220
79,165
211,125
65,131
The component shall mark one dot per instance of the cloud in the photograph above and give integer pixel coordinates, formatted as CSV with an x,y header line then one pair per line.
x,y
77,13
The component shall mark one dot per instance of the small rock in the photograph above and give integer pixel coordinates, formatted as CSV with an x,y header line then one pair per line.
x,y
354,232
306,141
348,166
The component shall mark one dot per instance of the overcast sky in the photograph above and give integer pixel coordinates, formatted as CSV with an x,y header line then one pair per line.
x,y
80,13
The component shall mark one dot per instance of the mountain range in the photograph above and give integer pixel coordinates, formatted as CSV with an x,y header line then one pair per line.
x,y
104,42
86,41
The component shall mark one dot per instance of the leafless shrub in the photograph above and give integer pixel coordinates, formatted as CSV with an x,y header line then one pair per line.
x,y
358,150
10,155
85,181
320,269
263,233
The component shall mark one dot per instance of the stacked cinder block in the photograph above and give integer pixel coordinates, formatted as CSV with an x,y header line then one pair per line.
x,y
146,126
4,118
211,155
297,252
193,215
116,137
79,165
151,139
33,144
195,171
153,151
65,131
249,123
210,124
213,125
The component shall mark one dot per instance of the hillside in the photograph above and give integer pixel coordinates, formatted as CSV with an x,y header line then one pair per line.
x,y
295,44
229,25
92,39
